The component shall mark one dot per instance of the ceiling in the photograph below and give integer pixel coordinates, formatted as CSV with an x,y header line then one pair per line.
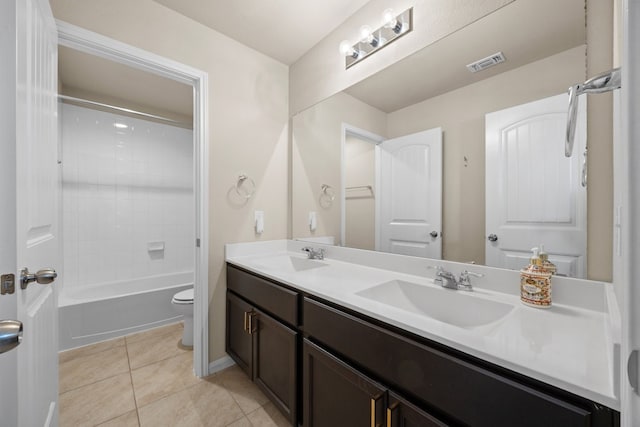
x,y
281,29
97,79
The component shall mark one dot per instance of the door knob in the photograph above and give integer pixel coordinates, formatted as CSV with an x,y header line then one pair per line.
x,y
492,238
433,234
10,334
44,277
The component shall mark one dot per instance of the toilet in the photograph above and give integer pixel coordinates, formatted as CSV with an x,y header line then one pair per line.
x,y
182,303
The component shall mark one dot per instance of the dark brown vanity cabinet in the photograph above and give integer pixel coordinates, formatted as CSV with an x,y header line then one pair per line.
x,y
457,390
336,394
262,345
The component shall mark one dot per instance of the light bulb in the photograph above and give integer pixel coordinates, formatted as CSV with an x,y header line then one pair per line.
x,y
390,20
365,34
347,50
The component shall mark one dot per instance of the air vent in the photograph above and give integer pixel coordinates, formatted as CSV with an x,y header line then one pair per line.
x,y
487,62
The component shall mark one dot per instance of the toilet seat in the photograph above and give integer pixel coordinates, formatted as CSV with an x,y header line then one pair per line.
x,y
183,297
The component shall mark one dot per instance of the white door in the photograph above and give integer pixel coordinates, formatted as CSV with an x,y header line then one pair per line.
x,y
534,194
411,195
30,202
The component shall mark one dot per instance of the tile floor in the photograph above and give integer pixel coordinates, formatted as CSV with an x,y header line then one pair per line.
x,y
146,379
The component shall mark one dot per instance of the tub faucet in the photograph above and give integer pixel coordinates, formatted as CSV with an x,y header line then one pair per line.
x,y
313,253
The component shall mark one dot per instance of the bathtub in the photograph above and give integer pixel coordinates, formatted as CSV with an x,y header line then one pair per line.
x,y
108,310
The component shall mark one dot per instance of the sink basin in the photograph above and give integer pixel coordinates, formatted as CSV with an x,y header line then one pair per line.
x,y
457,308
288,264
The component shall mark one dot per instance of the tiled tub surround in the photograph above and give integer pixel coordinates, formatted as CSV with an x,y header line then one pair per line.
x,y
128,202
128,224
571,346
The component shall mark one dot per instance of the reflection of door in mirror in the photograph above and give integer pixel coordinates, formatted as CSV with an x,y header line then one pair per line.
x,y
534,194
411,195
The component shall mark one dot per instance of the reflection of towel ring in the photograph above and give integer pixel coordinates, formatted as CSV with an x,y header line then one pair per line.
x,y
328,192
326,196
248,192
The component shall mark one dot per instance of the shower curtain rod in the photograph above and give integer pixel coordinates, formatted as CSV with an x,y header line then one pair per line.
x,y
125,110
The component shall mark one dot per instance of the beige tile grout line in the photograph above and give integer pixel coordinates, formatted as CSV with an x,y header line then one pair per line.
x,y
133,389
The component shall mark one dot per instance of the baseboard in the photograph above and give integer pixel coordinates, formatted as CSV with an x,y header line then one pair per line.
x,y
220,364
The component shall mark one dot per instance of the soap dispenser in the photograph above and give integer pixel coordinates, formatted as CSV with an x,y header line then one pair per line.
x,y
535,283
546,264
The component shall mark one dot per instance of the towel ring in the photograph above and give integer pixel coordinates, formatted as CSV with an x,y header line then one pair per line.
x,y
246,192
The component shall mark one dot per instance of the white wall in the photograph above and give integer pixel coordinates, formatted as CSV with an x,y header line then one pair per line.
x,y
123,190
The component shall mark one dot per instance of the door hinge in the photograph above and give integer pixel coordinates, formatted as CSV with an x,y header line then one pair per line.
x,y
197,243
7,284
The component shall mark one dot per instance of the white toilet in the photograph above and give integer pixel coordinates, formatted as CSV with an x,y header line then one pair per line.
x,y
183,304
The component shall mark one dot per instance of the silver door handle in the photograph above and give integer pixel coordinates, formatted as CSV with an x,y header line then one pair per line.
x,y
433,234
44,277
492,238
10,334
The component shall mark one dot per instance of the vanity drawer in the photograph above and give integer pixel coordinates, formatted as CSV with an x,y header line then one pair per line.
x,y
272,298
462,391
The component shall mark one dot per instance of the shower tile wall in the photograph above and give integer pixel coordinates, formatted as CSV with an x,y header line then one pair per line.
x,y
124,190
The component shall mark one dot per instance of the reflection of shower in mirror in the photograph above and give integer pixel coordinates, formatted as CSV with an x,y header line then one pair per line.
x,y
605,82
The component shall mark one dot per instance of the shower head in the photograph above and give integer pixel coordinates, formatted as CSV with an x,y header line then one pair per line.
x,y
601,83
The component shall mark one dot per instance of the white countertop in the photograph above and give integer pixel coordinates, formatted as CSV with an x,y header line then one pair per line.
x,y
570,346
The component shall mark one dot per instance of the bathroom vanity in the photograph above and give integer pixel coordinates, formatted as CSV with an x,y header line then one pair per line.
x,y
333,343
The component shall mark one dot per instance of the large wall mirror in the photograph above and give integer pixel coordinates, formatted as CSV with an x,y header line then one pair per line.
x,y
353,172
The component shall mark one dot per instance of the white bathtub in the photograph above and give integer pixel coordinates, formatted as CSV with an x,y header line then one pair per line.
x,y
100,312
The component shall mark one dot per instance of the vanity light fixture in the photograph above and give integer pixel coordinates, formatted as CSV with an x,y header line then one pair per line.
x,y
393,26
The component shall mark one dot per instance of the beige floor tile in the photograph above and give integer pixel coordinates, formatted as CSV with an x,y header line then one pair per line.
x,y
204,404
245,392
160,379
88,369
67,355
155,348
154,333
242,422
98,402
130,419
268,416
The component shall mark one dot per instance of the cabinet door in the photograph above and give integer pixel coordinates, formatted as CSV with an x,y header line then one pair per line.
x,y
335,394
401,413
275,362
238,340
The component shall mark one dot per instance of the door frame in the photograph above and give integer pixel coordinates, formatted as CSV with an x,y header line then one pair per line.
x,y
626,271
376,140
95,44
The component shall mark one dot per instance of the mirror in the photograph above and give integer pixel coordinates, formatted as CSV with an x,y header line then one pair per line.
x,y
432,89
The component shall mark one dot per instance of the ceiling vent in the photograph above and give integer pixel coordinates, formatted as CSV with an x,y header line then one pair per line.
x,y
487,62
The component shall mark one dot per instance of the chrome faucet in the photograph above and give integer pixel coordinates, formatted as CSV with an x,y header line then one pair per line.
x,y
446,279
313,253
